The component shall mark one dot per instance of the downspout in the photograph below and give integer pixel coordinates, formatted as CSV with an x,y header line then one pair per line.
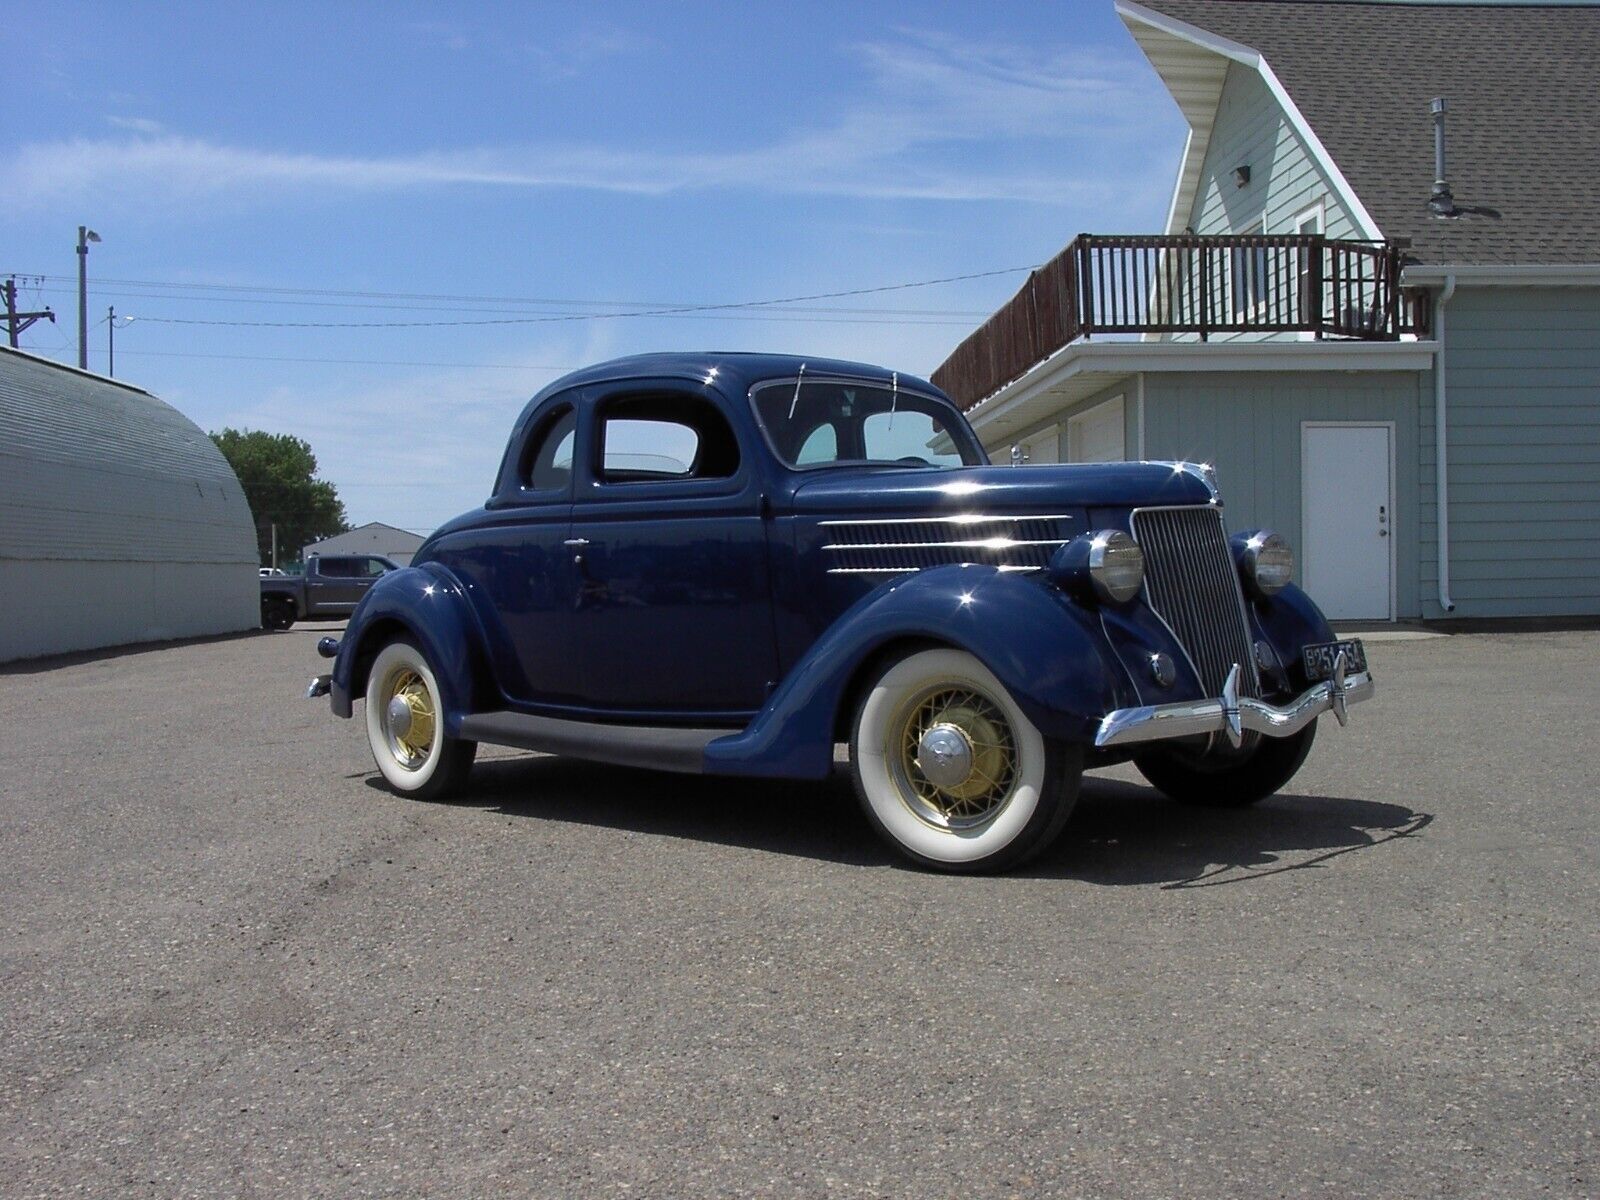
x,y
1441,465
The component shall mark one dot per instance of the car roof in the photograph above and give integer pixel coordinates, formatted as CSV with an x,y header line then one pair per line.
x,y
734,371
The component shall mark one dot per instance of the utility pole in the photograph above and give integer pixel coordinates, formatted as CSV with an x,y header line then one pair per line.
x,y
16,321
111,342
85,236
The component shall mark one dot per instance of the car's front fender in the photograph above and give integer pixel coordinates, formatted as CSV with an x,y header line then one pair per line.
x,y
1050,653
1288,622
427,604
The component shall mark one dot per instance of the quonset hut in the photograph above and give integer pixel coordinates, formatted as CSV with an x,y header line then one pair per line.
x,y
120,521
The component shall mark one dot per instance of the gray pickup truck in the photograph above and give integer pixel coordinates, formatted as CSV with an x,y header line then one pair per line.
x,y
330,589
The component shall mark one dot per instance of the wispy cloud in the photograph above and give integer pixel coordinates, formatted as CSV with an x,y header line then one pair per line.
x,y
138,124
928,101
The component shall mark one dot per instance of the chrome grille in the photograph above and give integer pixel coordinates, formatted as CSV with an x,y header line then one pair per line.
x,y
896,547
1190,579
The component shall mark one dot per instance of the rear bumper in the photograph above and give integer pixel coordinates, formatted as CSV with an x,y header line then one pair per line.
x,y
1233,716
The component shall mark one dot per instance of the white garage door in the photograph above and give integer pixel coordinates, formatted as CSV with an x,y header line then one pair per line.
x,y
1097,435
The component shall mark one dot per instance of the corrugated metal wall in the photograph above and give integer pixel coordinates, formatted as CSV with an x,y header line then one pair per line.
x,y
120,521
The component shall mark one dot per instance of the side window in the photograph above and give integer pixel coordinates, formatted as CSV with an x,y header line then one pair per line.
x,y
374,567
653,438
547,465
821,446
334,568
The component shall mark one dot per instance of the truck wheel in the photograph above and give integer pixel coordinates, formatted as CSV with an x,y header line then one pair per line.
x,y
277,613
1227,783
405,726
950,771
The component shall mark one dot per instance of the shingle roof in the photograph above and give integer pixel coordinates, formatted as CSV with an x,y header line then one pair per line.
x,y
1522,131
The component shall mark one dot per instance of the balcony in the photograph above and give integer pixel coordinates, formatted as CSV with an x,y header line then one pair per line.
x,y
1236,286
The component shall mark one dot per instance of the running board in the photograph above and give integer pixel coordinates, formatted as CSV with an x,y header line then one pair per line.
x,y
661,748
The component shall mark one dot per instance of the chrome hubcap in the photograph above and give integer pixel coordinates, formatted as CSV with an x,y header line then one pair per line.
x,y
944,755
409,719
953,757
399,717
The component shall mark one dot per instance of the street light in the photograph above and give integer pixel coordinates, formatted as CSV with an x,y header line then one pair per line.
x,y
85,236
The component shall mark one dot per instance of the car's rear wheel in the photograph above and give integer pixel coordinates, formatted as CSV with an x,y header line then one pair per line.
x,y
1227,782
950,771
277,613
405,725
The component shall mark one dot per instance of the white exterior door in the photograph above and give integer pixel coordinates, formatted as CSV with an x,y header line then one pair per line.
x,y
1348,544
1097,435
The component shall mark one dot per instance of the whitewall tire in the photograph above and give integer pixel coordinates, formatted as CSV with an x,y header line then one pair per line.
x,y
405,725
951,772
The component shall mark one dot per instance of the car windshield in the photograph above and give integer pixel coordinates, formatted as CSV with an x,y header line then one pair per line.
x,y
829,422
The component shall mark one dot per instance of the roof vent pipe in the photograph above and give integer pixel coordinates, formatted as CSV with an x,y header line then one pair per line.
x,y
1441,202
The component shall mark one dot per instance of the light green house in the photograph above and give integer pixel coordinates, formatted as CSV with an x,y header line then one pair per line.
x,y
1400,372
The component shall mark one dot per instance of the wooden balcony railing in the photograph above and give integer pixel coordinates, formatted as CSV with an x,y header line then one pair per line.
x,y
1190,285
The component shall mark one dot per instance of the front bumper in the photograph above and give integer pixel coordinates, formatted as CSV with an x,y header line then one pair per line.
x,y
1232,716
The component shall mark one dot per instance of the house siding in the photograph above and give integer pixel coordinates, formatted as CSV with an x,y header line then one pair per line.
x,y
1249,426
1523,392
1252,129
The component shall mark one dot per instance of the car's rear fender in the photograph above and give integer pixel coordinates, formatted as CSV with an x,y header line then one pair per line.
x,y
428,605
1050,653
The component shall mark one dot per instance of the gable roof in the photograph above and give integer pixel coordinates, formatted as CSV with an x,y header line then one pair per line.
x,y
1524,104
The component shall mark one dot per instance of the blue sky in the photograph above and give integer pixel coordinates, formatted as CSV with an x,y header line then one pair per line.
x,y
564,160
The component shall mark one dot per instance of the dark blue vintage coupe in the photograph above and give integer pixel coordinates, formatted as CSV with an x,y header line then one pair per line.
x,y
730,563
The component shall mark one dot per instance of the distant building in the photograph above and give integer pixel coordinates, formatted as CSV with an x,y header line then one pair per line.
x,y
372,538
120,521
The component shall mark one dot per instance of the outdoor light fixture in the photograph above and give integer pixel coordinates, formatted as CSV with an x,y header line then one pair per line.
x,y
85,236
1241,174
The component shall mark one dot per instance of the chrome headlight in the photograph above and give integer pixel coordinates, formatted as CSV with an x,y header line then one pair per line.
x,y
1266,562
1106,564
1116,566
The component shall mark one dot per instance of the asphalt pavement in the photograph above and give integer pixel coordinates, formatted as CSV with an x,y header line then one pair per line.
x,y
233,965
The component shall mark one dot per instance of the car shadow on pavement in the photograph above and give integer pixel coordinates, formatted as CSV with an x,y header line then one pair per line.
x,y
810,820
1122,833
1119,834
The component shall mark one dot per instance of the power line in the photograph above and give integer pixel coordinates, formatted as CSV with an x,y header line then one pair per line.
x,y
666,304
354,362
118,293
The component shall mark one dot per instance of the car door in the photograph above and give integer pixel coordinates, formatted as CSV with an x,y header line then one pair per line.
x,y
333,587
518,573
673,610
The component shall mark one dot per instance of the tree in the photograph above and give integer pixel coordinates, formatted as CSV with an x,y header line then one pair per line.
x,y
278,474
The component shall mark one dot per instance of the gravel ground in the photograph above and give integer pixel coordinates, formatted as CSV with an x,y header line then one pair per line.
x,y
232,965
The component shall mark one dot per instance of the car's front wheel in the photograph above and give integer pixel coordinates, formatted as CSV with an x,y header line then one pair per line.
x,y
1228,782
405,726
951,772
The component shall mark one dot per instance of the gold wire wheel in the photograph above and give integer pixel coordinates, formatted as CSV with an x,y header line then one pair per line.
x,y
410,718
954,757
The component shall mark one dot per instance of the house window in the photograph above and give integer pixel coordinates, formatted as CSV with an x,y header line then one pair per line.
x,y
1308,223
1247,271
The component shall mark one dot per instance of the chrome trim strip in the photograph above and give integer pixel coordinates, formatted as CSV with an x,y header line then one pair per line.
x,y
1004,568
1194,718
960,519
995,543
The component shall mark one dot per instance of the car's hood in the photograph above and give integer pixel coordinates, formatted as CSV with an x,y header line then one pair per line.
x,y
1042,489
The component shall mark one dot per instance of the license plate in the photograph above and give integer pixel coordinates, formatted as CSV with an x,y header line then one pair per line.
x,y
1319,659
